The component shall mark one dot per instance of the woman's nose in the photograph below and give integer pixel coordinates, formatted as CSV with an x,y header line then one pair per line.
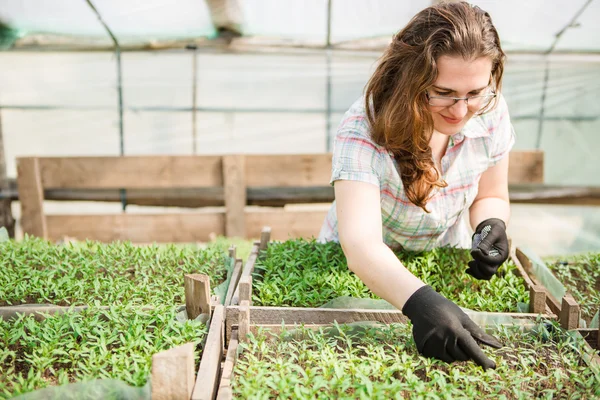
x,y
459,110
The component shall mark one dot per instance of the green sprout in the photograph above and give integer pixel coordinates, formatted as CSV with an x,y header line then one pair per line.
x,y
305,273
383,363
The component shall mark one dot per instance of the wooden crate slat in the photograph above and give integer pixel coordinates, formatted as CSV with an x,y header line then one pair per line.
x,y
40,311
138,228
285,223
31,196
246,272
131,172
207,381
526,167
233,283
225,392
173,373
235,195
285,170
524,266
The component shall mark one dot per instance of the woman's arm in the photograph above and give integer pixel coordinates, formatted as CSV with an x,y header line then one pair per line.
x,y
440,328
492,197
360,232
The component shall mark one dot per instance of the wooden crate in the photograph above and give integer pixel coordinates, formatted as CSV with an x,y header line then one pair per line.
x,y
173,376
251,319
538,293
566,308
226,180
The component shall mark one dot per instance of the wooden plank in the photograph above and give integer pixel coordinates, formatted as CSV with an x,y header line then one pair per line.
x,y
265,237
6,217
233,283
197,295
243,320
280,196
315,169
527,193
524,263
31,195
131,172
138,228
299,315
235,195
288,169
526,167
247,271
284,223
231,251
40,311
225,392
537,299
246,289
591,335
173,373
569,313
207,380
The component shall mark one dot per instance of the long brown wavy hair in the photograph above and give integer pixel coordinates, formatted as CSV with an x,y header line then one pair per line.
x,y
395,100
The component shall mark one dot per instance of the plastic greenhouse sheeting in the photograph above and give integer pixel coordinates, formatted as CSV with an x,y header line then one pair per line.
x,y
65,103
524,25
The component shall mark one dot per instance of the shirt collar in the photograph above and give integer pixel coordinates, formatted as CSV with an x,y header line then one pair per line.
x,y
474,128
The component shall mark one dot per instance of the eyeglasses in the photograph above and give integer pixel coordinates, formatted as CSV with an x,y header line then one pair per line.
x,y
474,102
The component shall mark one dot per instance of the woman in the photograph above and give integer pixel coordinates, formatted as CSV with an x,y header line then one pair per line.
x,y
427,142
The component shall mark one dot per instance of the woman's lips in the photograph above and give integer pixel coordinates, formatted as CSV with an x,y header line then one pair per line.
x,y
451,120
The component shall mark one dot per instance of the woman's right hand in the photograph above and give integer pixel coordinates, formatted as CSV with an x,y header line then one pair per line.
x,y
442,330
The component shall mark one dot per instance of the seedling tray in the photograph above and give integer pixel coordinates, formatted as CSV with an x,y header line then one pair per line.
x,y
173,367
539,360
34,271
580,274
560,300
512,287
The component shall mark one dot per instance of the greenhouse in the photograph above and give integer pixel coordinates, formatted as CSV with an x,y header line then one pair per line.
x,y
167,177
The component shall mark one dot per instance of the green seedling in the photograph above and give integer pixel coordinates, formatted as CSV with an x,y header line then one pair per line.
x,y
383,363
304,273
37,271
94,344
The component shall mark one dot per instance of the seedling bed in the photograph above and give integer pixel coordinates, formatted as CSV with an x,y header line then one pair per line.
x,y
34,271
173,367
304,273
539,360
117,343
578,301
580,274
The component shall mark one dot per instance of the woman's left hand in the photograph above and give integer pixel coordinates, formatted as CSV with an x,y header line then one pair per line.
x,y
489,250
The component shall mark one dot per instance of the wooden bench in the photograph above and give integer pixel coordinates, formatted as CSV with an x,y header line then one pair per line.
x,y
231,177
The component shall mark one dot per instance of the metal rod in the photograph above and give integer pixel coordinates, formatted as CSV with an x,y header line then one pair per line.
x,y
328,39
557,37
194,108
119,90
271,110
328,80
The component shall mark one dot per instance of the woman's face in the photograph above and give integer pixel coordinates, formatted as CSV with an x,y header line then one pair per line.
x,y
458,78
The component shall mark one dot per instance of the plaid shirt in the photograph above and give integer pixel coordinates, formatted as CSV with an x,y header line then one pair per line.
x,y
482,143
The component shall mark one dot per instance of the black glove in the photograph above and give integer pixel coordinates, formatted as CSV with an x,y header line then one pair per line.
x,y
489,249
442,330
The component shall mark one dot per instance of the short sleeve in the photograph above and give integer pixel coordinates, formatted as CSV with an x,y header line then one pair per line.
x,y
356,157
503,136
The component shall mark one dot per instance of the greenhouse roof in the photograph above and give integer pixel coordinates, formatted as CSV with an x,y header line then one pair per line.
x,y
530,26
